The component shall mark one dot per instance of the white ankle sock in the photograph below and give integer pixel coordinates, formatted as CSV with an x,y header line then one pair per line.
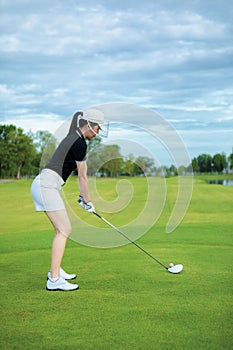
x,y
54,279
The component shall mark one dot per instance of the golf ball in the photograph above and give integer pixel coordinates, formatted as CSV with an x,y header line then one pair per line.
x,y
171,265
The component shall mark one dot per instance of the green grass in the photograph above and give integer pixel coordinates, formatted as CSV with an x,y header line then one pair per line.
x,y
126,300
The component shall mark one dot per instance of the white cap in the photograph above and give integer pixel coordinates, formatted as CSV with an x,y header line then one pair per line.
x,y
93,115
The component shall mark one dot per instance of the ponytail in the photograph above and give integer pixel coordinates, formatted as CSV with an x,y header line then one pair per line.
x,y
74,123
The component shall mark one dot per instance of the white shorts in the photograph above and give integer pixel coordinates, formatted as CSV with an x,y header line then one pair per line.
x,y
45,191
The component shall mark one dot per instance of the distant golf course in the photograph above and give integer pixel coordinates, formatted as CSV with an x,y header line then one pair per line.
x,y
125,301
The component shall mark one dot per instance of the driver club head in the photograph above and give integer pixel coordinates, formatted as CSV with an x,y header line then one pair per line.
x,y
176,268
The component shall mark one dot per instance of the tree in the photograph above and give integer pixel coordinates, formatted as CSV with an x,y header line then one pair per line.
x,y
94,143
42,137
45,144
173,170
189,169
17,151
24,150
181,170
4,149
230,159
195,165
145,165
47,151
111,160
205,163
94,151
219,162
128,166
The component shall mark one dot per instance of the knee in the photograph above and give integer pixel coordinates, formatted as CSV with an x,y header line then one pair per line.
x,y
65,231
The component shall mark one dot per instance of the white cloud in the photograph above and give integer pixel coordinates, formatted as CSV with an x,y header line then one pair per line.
x,y
189,25
37,122
223,119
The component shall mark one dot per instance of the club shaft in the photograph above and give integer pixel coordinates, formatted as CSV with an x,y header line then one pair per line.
x,y
129,239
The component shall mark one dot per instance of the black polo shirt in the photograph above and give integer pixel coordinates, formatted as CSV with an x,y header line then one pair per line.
x,y
72,149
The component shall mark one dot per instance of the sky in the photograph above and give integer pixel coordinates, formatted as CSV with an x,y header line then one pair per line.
x,y
171,57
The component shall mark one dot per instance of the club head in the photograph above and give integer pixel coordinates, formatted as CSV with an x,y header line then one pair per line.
x,y
176,268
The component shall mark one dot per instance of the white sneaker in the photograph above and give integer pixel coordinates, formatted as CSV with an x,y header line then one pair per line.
x,y
60,284
64,275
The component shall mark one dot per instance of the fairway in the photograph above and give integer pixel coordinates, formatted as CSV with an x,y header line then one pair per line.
x,y
126,300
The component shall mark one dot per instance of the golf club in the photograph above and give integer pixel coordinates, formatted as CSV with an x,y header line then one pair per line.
x,y
173,269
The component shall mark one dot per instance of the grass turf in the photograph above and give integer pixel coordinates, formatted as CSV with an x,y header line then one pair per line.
x,y
126,300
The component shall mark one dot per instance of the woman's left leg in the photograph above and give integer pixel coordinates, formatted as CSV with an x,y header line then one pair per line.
x,y
62,226
61,223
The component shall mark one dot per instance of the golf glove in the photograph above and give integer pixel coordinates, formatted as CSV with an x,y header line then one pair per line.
x,y
87,206
81,201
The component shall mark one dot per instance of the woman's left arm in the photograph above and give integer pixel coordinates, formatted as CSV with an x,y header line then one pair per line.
x,y
83,180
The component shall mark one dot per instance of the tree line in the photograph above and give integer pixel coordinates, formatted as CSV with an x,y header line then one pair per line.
x,y
24,154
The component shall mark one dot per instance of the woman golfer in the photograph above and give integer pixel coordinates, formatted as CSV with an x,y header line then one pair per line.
x,y
45,189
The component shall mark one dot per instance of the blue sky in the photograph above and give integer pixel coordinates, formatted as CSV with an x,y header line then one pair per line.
x,y
173,57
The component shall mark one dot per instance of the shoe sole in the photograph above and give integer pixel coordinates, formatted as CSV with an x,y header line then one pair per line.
x,y
68,279
61,290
